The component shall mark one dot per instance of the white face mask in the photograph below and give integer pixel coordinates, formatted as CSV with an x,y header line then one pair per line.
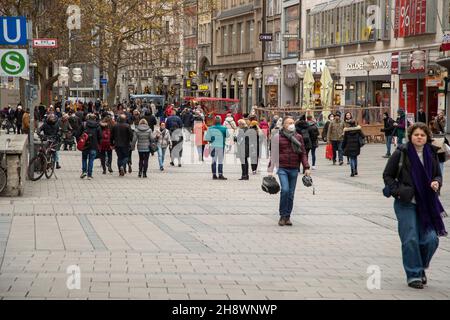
x,y
291,127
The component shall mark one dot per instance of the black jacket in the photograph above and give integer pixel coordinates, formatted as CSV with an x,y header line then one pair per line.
x,y
422,117
351,145
325,131
121,135
92,128
302,127
151,120
403,189
388,126
314,134
188,119
50,130
19,116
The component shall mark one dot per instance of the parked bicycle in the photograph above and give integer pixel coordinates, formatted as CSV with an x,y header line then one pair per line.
x,y
45,160
7,125
3,168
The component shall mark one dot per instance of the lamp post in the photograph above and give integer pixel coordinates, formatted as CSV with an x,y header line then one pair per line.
x,y
418,64
368,66
239,78
220,78
300,71
257,75
179,80
64,78
77,77
277,75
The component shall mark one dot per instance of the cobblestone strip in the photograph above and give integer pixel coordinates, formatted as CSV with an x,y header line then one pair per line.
x,y
93,237
183,238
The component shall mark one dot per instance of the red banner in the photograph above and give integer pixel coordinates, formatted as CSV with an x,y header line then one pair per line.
x,y
410,18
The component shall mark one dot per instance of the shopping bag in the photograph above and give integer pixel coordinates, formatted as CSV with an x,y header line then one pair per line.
x,y
329,152
206,152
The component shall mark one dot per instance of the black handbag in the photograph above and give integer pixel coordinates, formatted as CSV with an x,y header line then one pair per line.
x,y
270,185
387,192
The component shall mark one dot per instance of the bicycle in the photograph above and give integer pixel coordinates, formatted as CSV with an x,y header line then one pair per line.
x,y
45,160
7,124
3,168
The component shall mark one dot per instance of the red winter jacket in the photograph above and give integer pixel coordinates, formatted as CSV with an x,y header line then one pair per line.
x,y
284,156
105,145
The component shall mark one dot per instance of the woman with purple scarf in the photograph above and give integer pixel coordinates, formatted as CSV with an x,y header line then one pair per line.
x,y
414,179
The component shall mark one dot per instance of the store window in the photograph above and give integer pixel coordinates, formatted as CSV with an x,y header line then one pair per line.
x,y
330,25
292,28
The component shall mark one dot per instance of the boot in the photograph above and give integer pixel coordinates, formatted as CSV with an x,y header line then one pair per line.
x,y
353,173
129,168
140,174
58,166
144,174
110,169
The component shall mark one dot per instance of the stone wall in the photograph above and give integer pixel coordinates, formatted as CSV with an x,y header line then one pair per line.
x,y
16,163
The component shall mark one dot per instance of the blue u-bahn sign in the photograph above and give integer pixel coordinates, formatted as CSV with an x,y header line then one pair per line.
x,y
13,31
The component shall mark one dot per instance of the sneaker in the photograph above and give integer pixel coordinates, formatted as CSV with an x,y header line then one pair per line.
x,y
179,165
90,178
215,177
356,172
288,222
254,172
282,221
416,284
83,175
424,278
221,177
172,164
313,168
161,168
341,163
387,156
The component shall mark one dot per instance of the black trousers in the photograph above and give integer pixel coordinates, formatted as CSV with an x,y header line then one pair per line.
x,y
106,159
143,161
244,167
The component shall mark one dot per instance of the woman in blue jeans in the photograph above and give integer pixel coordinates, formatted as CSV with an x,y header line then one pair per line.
x,y
414,179
287,153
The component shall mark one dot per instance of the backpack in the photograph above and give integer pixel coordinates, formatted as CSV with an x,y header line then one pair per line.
x,y
306,139
85,141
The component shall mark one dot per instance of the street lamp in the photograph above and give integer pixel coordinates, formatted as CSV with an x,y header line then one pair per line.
x,y
257,75
64,78
239,78
300,71
221,79
277,75
368,66
417,64
77,77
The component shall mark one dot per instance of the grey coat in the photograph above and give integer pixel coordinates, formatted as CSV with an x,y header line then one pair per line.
x,y
142,138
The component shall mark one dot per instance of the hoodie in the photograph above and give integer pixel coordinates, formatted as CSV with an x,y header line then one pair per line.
x,y
142,137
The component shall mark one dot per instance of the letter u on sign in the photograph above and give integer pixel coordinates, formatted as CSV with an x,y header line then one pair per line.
x,y
13,31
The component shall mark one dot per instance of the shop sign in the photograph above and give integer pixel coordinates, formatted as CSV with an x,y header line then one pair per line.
x,y
265,37
433,81
316,66
445,46
203,87
395,62
338,87
290,36
414,17
271,80
386,85
359,65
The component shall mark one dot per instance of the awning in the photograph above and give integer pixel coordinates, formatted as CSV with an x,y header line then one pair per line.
x,y
332,5
234,12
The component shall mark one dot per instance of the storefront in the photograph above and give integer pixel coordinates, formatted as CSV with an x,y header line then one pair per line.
x,y
357,83
271,86
316,67
419,86
291,87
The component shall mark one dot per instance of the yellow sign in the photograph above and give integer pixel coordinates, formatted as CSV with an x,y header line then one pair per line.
x,y
188,83
203,87
192,74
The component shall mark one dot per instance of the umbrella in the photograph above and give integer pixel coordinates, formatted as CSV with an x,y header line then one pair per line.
x,y
308,85
326,89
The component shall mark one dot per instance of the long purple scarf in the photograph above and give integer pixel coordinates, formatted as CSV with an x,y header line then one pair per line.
x,y
429,208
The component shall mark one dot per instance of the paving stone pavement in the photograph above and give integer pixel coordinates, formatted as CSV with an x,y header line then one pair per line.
x,y
181,235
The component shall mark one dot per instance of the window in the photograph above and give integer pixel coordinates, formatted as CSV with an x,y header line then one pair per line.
x,y
269,6
230,39
291,29
167,26
251,35
239,37
224,42
234,41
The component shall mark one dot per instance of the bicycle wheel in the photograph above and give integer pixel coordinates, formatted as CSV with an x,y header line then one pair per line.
x,y
2,180
50,168
36,168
